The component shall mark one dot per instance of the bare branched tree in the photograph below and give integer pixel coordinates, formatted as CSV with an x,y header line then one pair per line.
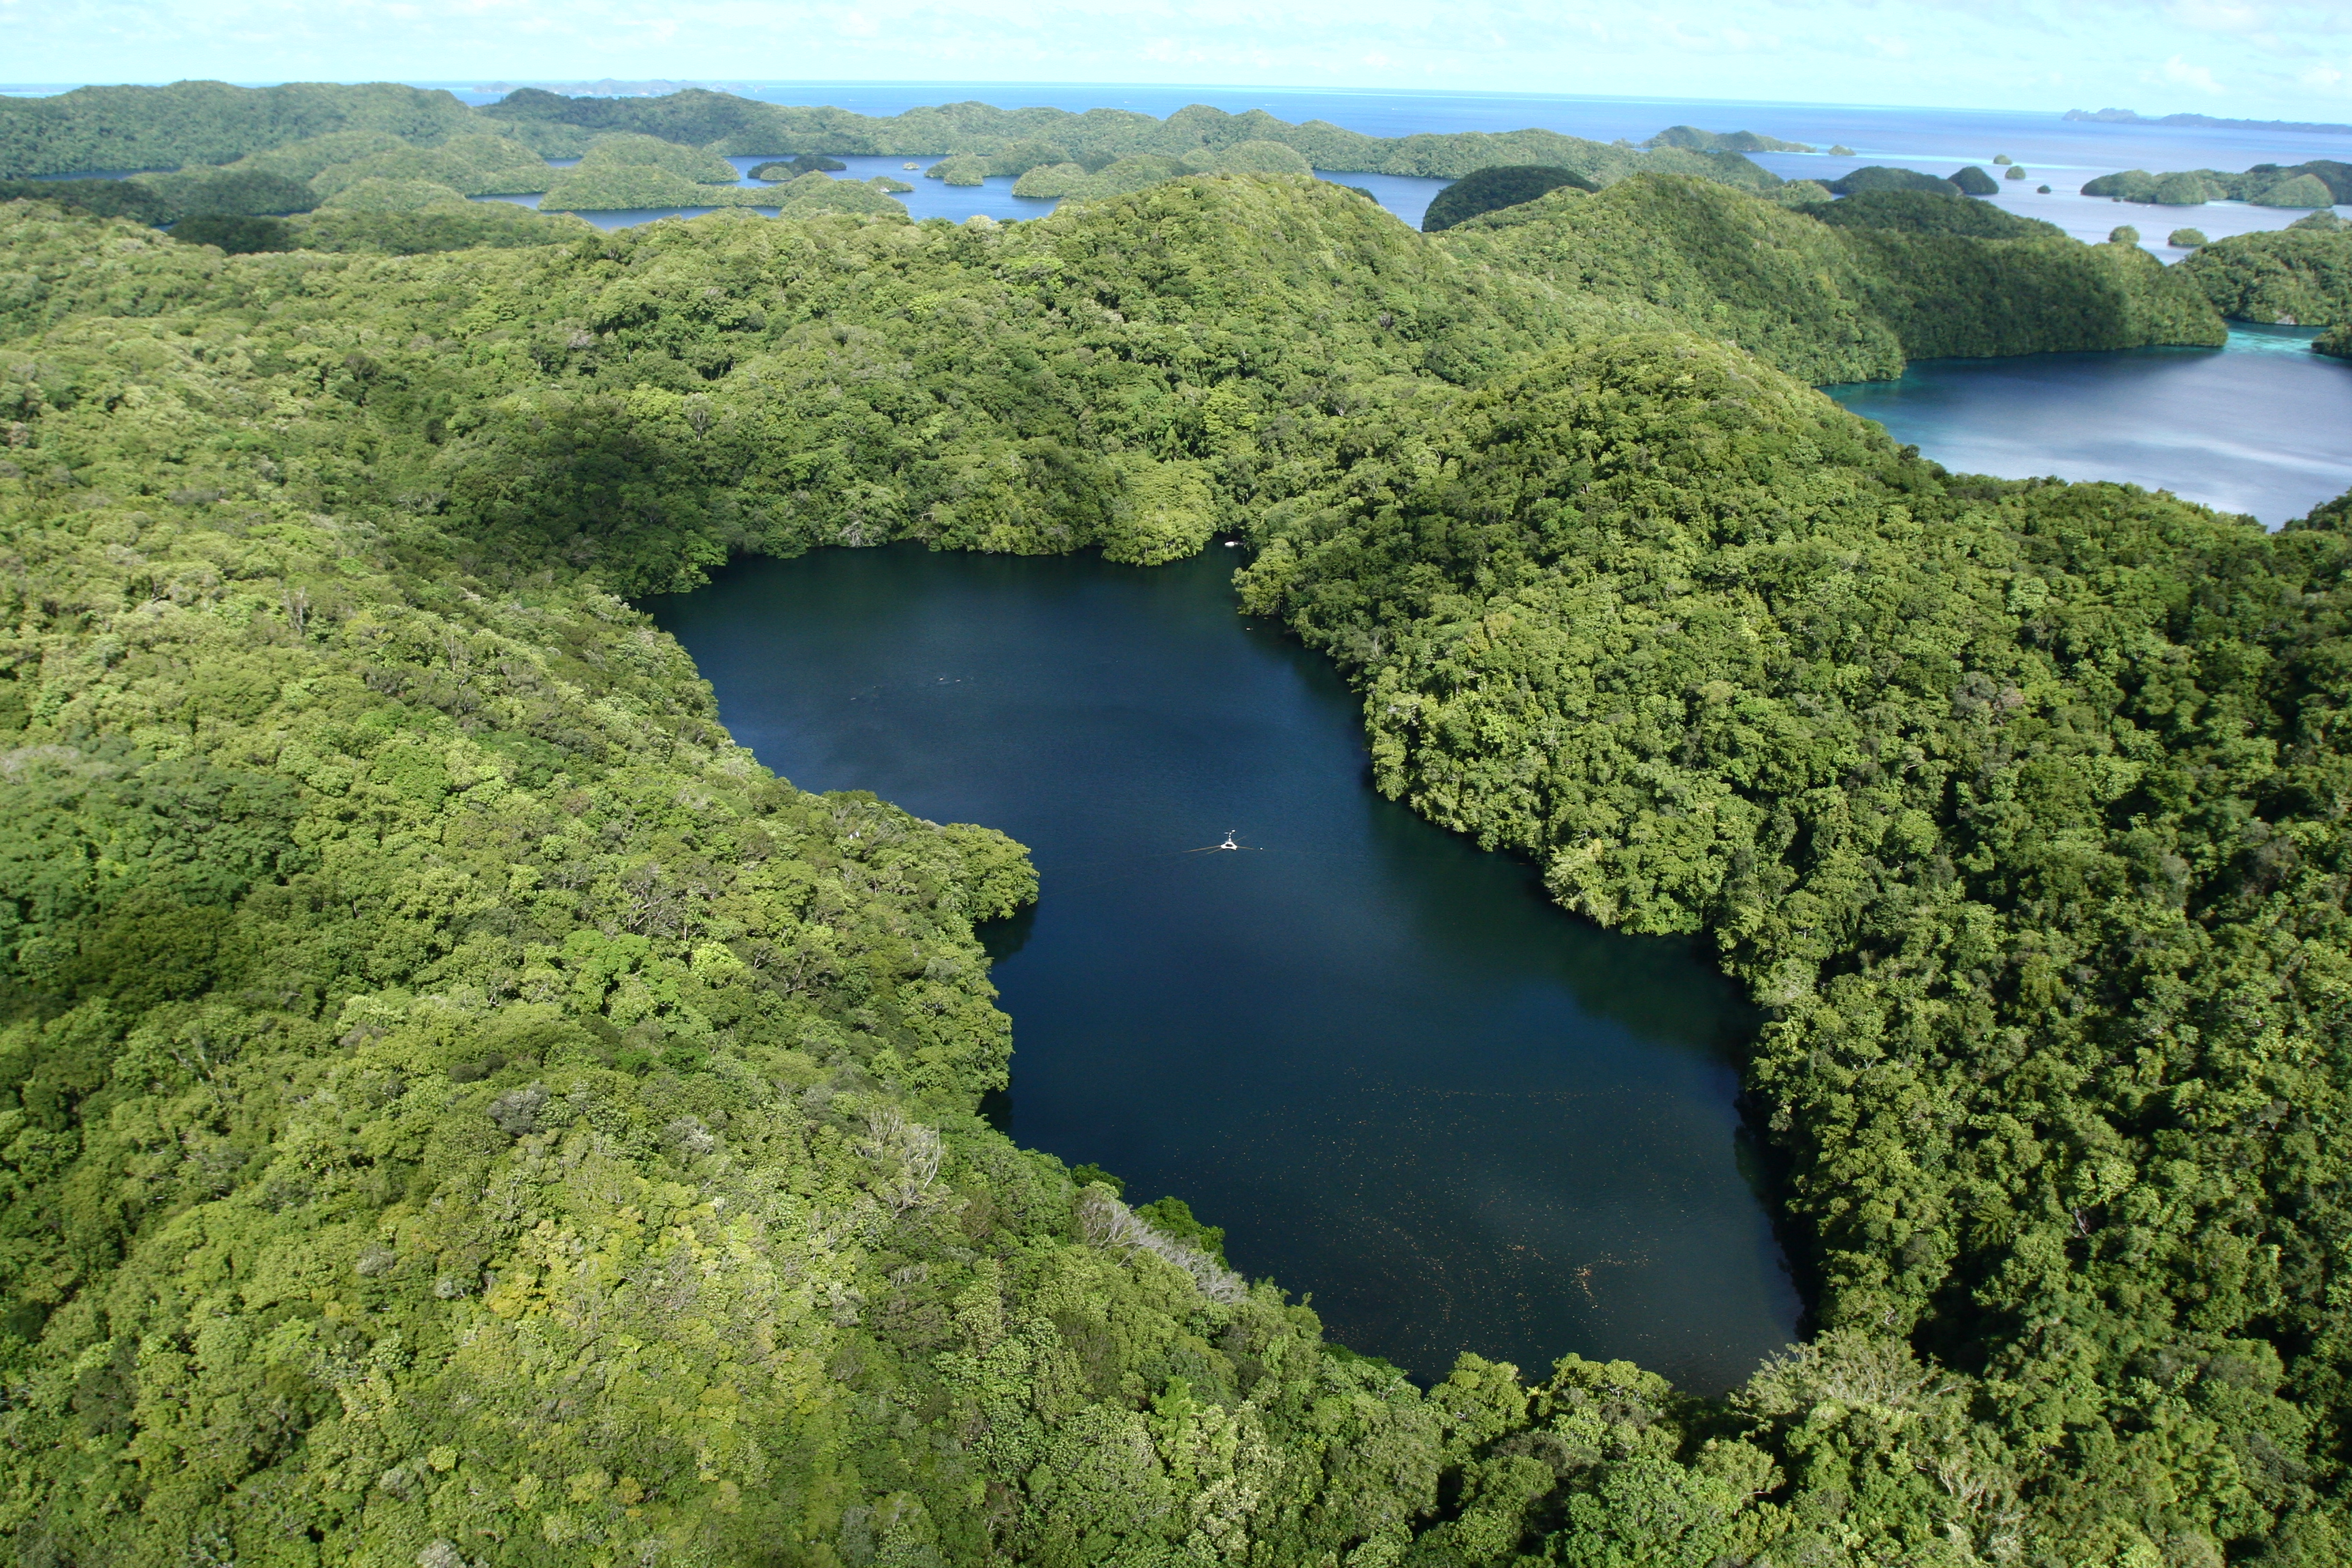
x,y
1111,1225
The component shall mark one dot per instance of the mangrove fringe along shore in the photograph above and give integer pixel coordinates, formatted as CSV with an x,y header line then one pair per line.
x,y
461,1110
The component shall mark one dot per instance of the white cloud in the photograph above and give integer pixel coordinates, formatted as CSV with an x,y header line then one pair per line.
x,y
2180,73
1709,40
2215,15
2291,59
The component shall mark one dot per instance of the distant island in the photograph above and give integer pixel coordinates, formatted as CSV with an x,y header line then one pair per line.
x,y
2127,117
1699,141
2317,184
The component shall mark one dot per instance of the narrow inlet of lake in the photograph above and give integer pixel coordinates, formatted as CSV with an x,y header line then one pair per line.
x,y
1403,1081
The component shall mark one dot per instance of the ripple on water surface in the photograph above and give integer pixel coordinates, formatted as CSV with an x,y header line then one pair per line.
x,y
1402,1079
2258,427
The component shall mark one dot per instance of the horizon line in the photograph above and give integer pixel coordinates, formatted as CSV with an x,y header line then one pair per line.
x,y
487,81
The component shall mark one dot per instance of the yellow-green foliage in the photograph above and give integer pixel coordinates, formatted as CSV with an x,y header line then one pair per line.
x,y
472,165
813,195
446,225
1050,180
2302,191
2314,184
475,165
591,190
1071,180
626,170
613,187
964,169
2302,274
1247,158
1017,159
192,122
1165,512
631,152
306,159
383,195
459,1104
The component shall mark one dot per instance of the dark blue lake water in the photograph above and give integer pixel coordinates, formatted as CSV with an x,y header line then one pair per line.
x,y
1406,1082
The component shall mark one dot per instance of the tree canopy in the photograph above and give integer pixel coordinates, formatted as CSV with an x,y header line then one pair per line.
x,y
1883,177
210,123
2305,273
1489,190
460,1108
2313,185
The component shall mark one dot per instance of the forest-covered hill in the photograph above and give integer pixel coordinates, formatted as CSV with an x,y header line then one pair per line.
x,y
2301,274
461,1109
208,149
117,128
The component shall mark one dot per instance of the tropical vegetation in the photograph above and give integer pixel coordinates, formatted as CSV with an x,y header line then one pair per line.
x,y
2316,184
1886,177
1489,190
1896,276
2301,276
793,168
197,123
460,1108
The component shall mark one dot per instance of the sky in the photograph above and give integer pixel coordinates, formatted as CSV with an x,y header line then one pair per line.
x,y
2244,59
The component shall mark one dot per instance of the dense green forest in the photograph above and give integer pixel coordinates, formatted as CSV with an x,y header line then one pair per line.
x,y
1099,136
1901,275
462,1109
115,128
1886,177
2301,274
1928,212
2316,184
1491,190
94,129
